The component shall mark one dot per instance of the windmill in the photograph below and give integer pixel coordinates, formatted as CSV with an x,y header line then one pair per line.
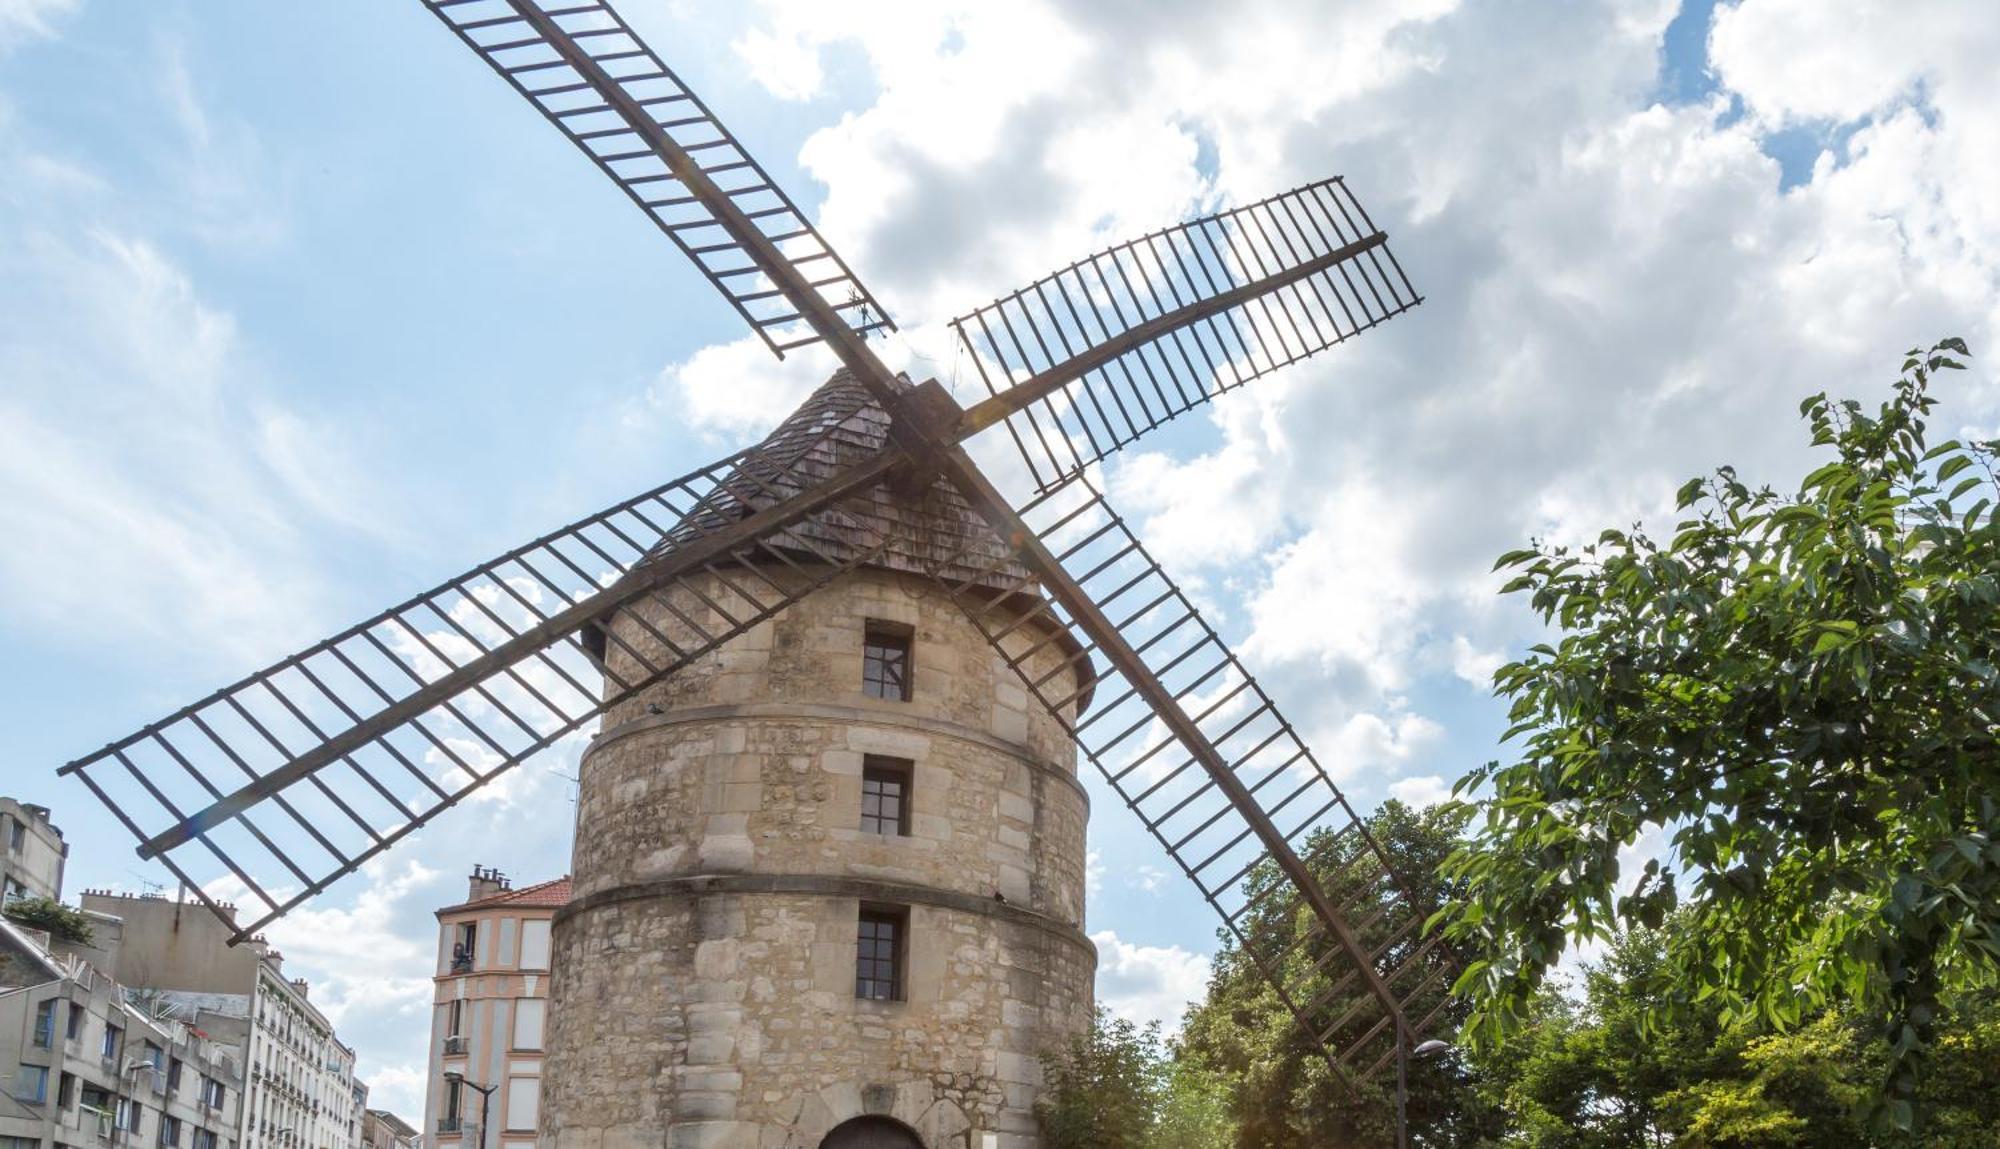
x,y
275,787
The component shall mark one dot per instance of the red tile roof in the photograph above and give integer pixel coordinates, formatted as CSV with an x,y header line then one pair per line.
x,y
551,894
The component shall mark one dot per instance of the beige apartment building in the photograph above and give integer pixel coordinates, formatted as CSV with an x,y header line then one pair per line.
x,y
300,1088
32,853
381,1129
490,1012
88,1066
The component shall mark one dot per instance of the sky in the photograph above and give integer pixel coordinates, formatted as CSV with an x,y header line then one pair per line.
x,y
302,311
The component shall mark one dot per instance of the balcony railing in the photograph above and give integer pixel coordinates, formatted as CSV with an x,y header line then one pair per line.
x,y
448,1125
456,1045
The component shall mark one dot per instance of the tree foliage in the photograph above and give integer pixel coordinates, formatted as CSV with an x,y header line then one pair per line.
x,y
60,921
1283,1092
1800,693
1607,1068
1114,1087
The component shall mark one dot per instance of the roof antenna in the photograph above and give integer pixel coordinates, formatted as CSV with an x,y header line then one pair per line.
x,y
859,302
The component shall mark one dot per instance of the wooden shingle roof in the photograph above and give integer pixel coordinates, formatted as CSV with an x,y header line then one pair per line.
x,y
840,424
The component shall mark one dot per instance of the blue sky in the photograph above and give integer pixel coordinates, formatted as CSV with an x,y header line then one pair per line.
x,y
302,311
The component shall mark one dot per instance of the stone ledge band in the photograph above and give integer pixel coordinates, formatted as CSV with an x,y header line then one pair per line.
x,y
861,715
862,889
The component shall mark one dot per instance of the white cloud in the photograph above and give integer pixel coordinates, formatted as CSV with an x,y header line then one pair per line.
x,y
1424,790
1148,983
362,957
1474,665
133,426
23,20
399,1089
738,387
1372,744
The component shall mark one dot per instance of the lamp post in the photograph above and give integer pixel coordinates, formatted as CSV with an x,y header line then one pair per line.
x,y
129,1104
1404,1053
485,1099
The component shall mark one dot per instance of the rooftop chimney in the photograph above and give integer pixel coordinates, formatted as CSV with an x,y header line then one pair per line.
x,y
486,881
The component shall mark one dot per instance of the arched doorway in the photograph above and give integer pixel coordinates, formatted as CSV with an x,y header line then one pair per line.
x,y
871,1133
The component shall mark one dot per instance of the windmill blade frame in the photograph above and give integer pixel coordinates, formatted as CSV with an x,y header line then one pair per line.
x,y
1088,359
1204,802
1077,365
689,551
591,75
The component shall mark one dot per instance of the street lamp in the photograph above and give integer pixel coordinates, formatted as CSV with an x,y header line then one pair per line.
x,y
131,1064
485,1097
1404,1054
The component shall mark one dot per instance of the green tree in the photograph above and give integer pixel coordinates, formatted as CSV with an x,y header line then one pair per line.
x,y
1282,1092
1118,1085
61,922
1609,1066
1801,692
1105,1088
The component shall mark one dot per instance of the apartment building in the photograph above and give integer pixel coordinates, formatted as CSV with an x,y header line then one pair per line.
x,y
32,853
299,1086
490,1010
381,1129
88,1066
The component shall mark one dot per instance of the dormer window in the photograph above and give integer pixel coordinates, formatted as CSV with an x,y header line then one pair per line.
x,y
885,661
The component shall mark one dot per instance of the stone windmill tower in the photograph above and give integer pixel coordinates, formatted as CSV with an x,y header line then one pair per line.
x,y
832,877
830,842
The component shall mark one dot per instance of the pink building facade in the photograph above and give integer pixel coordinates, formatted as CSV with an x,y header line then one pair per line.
x,y
490,1013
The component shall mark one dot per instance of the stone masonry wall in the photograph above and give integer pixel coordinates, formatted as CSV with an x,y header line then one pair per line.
x,y
703,985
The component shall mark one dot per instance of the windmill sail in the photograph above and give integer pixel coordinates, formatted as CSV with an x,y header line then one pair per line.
x,y
1084,361
584,68
1350,981
270,790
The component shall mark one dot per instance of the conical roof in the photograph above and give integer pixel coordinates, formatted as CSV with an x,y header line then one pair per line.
x,y
840,424
933,533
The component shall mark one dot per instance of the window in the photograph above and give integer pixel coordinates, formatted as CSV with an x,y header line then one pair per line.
x,y
129,1113
45,1024
885,661
112,1035
31,1084
454,1018
878,965
17,835
170,1130
454,1103
155,1056
885,796
73,1021
211,1092
529,1013
524,1102
202,1139
535,944
463,945
173,1075
66,1091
